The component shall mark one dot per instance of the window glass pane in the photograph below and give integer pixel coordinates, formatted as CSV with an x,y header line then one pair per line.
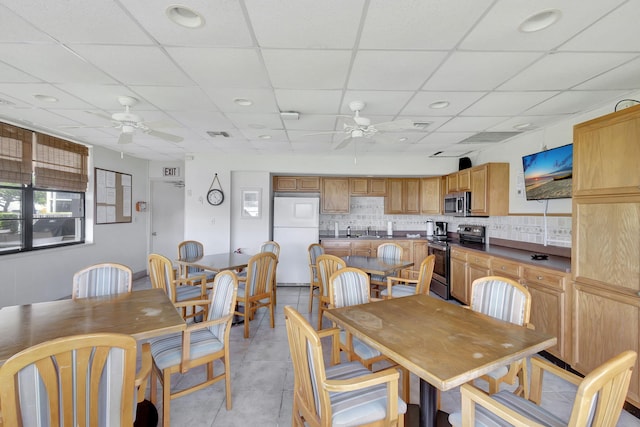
x,y
10,219
58,217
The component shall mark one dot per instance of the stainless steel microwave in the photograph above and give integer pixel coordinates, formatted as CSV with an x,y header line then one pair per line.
x,y
458,204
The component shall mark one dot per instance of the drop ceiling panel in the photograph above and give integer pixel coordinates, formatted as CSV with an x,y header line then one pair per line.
x,y
16,29
470,124
407,24
535,122
101,96
376,102
393,70
252,121
263,100
498,30
303,24
225,23
311,122
175,98
625,76
574,101
135,65
202,120
25,92
479,70
9,74
507,103
299,69
562,70
458,101
308,101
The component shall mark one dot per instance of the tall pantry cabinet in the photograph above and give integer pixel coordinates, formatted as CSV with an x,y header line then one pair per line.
x,y
606,241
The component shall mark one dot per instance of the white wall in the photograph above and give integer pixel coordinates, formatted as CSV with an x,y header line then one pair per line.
x,y
46,275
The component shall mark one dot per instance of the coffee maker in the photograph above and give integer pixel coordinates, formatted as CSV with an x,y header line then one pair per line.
x,y
441,229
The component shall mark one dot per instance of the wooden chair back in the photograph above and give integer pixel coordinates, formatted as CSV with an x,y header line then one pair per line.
x,y
260,271
107,278
84,380
349,286
327,265
314,251
271,246
190,249
162,274
390,250
502,298
425,273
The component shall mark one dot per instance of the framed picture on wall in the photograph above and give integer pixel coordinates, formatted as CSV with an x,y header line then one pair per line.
x,y
251,203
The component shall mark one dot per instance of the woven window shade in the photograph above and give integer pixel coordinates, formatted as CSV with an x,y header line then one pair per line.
x,y
60,164
15,154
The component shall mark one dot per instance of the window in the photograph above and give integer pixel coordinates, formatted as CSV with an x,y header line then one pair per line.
x,y
42,185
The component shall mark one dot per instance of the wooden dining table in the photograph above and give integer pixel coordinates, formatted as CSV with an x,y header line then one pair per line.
x,y
375,265
142,314
444,344
217,262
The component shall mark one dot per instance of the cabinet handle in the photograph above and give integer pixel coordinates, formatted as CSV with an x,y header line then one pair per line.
x,y
540,277
503,267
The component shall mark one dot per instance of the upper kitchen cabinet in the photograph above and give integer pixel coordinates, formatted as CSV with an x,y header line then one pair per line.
x,y
296,183
490,189
372,187
430,195
335,195
403,196
459,181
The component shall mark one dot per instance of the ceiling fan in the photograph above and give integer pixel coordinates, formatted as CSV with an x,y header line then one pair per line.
x,y
128,122
362,127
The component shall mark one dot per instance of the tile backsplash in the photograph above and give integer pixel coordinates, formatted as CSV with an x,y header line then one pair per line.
x,y
369,212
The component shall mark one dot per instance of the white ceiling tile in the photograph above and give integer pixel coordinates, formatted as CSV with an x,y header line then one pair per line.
x,y
458,101
255,134
507,103
309,101
202,120
222,68
9,74
13,28
562,70
304,23
51,63
410,24
498,29
434,121
263,100
297,136
25,92
101,96
175,98
225,23
136,65
69,22
573,102
251,121
376,102
536,122
309,122
625,76
478,70
470,124
442,139
393,70
299,69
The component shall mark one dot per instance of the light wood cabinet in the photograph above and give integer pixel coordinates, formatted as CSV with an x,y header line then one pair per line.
x,y
335,195
458,276
606,248
459,181
478,265
364,248
505,268
403,196
430,195
452,182
296,183
337,247
372,187
490,189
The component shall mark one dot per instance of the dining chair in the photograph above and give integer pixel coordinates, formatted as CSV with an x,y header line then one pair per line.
x,y
314,250
350,286
81,380
508,300
163,276
107,278
254,290
192,249
327,265
340,394
200,344
391,252
274,248
401,287
599,398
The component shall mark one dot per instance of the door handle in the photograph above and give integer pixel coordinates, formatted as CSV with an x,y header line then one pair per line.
x,y
154,233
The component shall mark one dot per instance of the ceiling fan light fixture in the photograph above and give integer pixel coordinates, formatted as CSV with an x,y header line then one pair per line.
x,y
128,129
184,16
438,105
243,102
540,21
45,98
357,133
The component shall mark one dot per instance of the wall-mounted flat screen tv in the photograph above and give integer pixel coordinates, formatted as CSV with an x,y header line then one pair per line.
x,y
547,174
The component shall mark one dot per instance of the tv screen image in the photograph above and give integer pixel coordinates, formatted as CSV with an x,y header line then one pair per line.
x,y
547,174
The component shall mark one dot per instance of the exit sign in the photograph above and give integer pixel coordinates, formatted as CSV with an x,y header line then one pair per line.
x,y
170,171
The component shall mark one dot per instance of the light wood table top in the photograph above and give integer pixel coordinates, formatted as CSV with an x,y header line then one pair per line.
x,y
444,344
141,314
217,262
375,265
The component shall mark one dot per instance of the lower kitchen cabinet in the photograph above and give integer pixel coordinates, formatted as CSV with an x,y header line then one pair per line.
x,y
478,265
458,276
337,247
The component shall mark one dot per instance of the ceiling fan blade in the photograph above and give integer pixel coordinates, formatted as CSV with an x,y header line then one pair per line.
x,y
343,143
329,132
165,136
125,138
85,127
104,116
404,124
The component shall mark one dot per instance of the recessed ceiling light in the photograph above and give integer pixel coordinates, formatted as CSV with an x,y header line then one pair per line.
x,y
243,101
403,139
439,105
265,137
540,21
46,98
523,126
184,16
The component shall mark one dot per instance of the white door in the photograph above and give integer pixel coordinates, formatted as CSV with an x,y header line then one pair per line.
x,y
167,218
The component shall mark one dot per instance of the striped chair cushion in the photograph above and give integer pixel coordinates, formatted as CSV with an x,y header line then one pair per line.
x,y
102,281
360,348
167,350
221,304
400,291
358,407
187,292
350,288
525,407
499,300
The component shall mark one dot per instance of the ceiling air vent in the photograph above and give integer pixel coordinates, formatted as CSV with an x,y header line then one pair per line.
x,y
421,125
214,134
488,137
454,154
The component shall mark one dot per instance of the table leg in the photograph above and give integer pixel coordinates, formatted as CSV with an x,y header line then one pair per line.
x,y
430,416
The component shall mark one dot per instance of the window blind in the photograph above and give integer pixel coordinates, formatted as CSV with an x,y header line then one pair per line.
x,y
15,154
60,164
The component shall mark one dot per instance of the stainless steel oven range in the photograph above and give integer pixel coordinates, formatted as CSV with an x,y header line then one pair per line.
x,y
440,280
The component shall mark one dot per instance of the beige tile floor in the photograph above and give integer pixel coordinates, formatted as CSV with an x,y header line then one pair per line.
x,y
262,378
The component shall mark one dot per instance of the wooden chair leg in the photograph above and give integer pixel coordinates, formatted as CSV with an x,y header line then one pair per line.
x,y
320,310
310,297
166,398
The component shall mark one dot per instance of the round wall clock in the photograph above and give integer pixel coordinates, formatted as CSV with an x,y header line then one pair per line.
x,y
215,197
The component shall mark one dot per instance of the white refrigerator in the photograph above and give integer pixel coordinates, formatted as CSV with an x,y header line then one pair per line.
x,y
296,223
